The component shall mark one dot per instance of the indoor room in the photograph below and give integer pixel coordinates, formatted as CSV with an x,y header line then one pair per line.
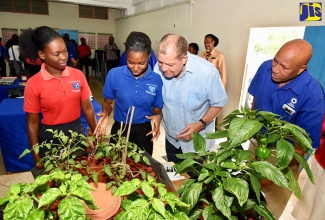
x,y
248,34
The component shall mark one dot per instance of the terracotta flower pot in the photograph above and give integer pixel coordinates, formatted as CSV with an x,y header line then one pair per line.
x,y
108,203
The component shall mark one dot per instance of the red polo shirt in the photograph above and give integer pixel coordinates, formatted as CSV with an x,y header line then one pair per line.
x,y
59,100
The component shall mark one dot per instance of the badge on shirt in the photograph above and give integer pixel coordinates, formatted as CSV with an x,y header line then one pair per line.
x,y
151,89
76,86
290,106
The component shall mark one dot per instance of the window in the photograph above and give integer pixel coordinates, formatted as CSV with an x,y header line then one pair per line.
x,y
89,37
25,6
7,33
102,39
86,11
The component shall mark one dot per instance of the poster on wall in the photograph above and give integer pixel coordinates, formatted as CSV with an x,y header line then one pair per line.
x,y
74,34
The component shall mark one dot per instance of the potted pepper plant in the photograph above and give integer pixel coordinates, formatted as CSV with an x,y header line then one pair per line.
x,y
225,184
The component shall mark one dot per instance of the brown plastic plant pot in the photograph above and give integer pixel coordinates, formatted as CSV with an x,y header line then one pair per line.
x,y
104,199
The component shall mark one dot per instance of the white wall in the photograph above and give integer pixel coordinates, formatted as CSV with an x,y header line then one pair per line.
x,y
230,20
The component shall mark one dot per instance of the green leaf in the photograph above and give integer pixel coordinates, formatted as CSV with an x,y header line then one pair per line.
x,y
147,189
242,129
94,176
64,139
199,143
222,202
293,183
71,208
185,185
239,188
42,179
19,209
26,151
300,136
14,189
127,187
85,195
138,210
284,153
191,195
185,164
227,153
187,155
270,172
158,206
37,214
256,186
108,171
49,196
217,134
162,191
229,165
264,211
242,155
305,165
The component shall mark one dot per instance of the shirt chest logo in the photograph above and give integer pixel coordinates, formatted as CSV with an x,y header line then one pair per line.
x,y
151,89
290,106
76,86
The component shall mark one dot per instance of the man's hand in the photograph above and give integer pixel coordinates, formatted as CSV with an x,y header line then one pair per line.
x,y
156,119
186,133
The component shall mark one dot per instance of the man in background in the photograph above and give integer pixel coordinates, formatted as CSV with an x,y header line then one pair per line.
x,y
193,95
72,51
84,53
110,54
285,87
3,55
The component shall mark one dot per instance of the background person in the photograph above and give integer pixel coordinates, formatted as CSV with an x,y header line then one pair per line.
x,y
214,56
72,51
193,96
14,54
84,53
144,92
193,48
3,55
59,92
110,54
285,87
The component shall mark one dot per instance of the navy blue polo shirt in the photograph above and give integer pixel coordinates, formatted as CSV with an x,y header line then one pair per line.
x,y
300,102
144,93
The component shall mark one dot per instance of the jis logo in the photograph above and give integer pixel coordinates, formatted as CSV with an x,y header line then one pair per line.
x,y
76,85
310,11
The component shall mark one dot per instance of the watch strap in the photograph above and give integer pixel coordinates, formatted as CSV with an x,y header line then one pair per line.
x,y
204,124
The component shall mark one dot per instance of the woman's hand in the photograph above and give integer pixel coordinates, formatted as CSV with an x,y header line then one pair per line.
x,y
156,119
102,123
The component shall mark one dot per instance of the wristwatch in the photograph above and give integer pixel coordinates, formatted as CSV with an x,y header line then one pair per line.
x,y
204,124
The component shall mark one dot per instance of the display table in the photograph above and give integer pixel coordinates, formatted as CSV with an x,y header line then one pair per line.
x,y
13,134
5,89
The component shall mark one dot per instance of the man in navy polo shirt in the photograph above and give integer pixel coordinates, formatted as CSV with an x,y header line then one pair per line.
x,y
285,87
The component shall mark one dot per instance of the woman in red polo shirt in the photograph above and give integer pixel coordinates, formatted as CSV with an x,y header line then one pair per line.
x,y
57,91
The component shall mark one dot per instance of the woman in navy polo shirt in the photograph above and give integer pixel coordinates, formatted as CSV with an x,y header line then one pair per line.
x,y
134,85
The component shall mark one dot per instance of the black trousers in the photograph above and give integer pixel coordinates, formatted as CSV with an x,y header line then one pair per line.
x,y
171,152
83,61
3,71
137,135
75,125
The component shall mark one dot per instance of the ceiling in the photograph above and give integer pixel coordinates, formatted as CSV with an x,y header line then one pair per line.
x,y
126,5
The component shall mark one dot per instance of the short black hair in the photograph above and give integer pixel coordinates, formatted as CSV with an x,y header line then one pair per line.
x,y
215,39
195,46
138,41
